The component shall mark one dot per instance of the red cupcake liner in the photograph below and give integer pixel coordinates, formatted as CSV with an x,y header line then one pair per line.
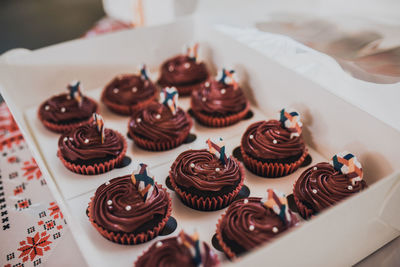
x,y
125,109
271,170
208,203
129,238
65,128
304,212
96,168
228,252
220,121
161,146
185,90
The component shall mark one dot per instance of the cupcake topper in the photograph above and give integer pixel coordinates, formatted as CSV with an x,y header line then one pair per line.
x,y
144,180
191,51
143,73
98,120
193,244
169,97
218,149
347,163
75,92
291,121
278,203
228,77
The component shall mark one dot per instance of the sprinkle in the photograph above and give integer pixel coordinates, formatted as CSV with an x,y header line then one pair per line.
x,y
350,187
158,116
187,65
275,141
159,244
223,91
204,99
275,229
217,169
251,136
63,109
138,120
207,84
65,139
110,207
68,97
115,90
109,202
47,107
245,201
315,168
251,227
314,191
134,89
171,68
128,208
191,165
107,183
86,141
71,139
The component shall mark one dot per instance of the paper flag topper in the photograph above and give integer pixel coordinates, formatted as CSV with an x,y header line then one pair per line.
x,y
347,163
191,51
193,244
228,77
218,149
169,97
98,120
143,73
144,181
278,203
291,121
75,92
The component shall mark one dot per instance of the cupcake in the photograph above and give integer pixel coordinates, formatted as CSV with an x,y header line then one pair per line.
x,y
274,148
184,72
160,126
91,149
67,111
251,222
325,184
182,250
128,93
207,179
131,209
221,102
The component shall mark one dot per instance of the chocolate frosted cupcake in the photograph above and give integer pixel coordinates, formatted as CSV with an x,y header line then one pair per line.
x,y
219,102
183,250
131,209
91,149
128,93
325,184
64,112
274,148
184,72
205,181
160,126
251,222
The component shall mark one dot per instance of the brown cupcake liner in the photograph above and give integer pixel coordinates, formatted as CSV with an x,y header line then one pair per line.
x,y
125,109
271,170
208,203
185,90
96,168
160,146
220,121
65,128
228,252
304,212
129,238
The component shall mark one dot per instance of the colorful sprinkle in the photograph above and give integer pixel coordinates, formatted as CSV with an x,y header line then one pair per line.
x,y
144,180
348,164
218,149
169,97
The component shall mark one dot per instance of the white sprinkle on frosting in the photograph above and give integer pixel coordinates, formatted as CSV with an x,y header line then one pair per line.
x,y
159,244
109,202
245,201
350,187
63,109
204,99
275,229
71,139
251,136
314,191
128,208
138,120
68,97
134,89
171,68
108,182
251,227
207,84
187,65
191,165
47,107
65,139
158,116
217,169
223,91
275,141
315,168
115,90
86,141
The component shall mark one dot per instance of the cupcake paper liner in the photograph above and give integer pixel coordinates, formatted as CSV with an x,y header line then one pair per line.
x,y
220,121
304,212
96,168
228,252
209,203
129,238
271,170
125,109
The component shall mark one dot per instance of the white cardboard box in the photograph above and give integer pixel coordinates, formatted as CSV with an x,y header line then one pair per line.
x,y
341,235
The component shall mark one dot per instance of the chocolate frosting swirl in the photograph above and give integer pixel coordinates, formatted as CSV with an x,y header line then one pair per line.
x,y
64,109
122,192
261,145
173,253
330,185
132,89
74,147
182,70
235,224
203,176
157,123
218,99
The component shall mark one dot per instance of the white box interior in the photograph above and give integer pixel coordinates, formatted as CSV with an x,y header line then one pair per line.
x,y
330,125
